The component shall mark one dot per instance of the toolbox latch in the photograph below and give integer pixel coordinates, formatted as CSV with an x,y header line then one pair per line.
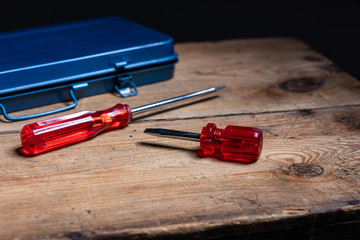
x,y
125,86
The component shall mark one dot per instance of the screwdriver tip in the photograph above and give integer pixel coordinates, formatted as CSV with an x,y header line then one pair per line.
x,y
172,134
150,130
220,87
158,131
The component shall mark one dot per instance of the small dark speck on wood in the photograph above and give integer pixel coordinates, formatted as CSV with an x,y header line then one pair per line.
x,y
306,112
198,72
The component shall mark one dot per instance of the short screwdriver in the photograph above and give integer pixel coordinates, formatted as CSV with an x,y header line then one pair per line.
x,y
234,143
62,131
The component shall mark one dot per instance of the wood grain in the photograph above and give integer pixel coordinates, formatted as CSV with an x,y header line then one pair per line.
x,y
126,184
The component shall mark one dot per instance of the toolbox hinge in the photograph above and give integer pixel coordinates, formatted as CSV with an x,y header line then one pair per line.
x,y
125,86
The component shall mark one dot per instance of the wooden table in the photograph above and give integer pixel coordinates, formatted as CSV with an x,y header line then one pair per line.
x,y
127,184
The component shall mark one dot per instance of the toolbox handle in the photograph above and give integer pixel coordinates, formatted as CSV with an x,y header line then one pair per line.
x,y
43,113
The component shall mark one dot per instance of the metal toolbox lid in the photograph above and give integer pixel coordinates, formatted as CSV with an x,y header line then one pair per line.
x,y
44,56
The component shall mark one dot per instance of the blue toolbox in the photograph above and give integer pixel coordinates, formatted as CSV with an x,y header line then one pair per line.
x,y
46,65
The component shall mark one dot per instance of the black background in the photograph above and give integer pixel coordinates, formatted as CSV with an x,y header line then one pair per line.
x,y
330,27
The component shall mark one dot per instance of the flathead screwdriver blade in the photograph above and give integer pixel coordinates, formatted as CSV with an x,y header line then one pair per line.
x,y
173,134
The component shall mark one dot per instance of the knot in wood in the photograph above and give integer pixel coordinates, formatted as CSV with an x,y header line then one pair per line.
x,y
305,84
305,170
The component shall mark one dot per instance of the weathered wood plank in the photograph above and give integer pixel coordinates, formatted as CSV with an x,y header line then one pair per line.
x,y
128,184
309,166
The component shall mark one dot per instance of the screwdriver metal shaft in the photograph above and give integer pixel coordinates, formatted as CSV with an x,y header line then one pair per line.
x,y
62,131
156,107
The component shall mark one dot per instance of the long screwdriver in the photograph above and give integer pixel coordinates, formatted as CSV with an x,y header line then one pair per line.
x,y
234,143
62,131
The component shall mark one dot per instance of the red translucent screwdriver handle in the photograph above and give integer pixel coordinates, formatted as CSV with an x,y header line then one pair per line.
x,y
61,131
234,143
